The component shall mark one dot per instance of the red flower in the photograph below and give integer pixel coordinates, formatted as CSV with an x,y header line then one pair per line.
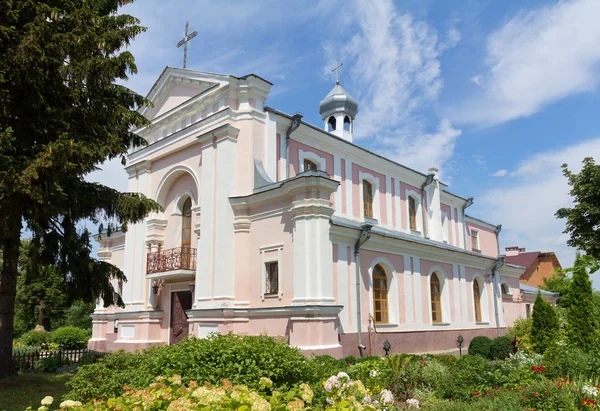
x,y
534,368
588,402
475,393
535,394
542,368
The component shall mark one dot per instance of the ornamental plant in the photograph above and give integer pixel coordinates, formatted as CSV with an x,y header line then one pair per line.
x,y
581,311
480,345
545,326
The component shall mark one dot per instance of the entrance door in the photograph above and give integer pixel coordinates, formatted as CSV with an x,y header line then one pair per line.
x,y
180,301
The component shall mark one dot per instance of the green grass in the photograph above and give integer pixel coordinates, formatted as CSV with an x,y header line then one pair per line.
x,y
19,392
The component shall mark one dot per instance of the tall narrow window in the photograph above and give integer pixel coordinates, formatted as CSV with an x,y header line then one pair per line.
x,y
412,213
368,198
505,290
347,123
475,240
186,233
331,124
310,165
272,278
436,299
477,300
380,295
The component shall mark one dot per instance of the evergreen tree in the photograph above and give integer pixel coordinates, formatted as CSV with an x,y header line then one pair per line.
x,y
582,322
545,325
61,115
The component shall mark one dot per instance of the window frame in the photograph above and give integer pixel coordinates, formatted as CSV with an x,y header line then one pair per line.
x,y
477,301
434,312
380,295
268,280
304,155
418,211
271,254
374,181
367,194
476,238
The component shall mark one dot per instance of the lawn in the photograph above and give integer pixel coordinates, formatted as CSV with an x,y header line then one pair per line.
x,y
19,392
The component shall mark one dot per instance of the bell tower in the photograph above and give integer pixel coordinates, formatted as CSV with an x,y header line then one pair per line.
x,y
338,110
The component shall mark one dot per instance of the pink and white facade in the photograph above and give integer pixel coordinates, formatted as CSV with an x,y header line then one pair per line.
x,y
262,213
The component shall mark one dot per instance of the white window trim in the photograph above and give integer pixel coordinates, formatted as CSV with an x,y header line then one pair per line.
x,y
445,234
471,231
485,305
509,293
484,288
375,184
445,296
180,200
272,258
417,197
393,304
314,157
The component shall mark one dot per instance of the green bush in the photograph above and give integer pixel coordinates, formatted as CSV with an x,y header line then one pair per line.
x,y
544,326
521,330
71,337
241,359
480,345
33,339
501,348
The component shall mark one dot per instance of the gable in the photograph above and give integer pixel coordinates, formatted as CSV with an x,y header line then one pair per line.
x,y
178,94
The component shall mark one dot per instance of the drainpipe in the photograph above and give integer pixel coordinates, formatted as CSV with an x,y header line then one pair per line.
x,y
467,204
365,234
428,181
497,231
296,118
499,263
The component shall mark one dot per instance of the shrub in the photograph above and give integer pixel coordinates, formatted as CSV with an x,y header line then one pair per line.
x,y
581,312
71,337
34,338
544,326
406,375
480,345
521,330
448,360
501,348
242,359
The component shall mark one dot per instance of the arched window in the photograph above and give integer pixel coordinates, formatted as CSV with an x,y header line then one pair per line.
x,y
412,213
186,233
368,198
505,290
331,124
310,165
380,296
477,300
436,299
347,123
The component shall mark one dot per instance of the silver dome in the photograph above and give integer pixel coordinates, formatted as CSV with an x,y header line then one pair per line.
x,y
338,100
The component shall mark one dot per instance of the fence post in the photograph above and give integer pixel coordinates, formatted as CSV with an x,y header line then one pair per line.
x,y
60,354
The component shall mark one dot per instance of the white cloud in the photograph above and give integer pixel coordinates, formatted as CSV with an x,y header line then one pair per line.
x,y
500,173
395,73
533,193
477,80
479,160
536,58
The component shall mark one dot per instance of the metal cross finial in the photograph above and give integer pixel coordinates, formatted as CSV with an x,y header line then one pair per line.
x,y
184,42
337,78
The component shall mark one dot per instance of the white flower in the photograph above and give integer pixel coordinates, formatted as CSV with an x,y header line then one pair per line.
x,y
329,400
70,403
374,373
413,402
342,374
590,390
367,399
48,400
387,397
331,383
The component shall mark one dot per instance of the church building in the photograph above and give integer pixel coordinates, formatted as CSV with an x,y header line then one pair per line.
x,y
275,226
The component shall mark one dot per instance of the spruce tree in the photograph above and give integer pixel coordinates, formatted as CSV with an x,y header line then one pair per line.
x,y
61,115
582,324
545,325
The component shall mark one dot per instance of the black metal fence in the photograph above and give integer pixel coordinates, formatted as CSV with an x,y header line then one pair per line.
x,y
36,358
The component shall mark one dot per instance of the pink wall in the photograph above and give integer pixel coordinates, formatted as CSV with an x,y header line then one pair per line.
x,y
446,209
487,239
178,95
426,267
173,215
356,193
404,204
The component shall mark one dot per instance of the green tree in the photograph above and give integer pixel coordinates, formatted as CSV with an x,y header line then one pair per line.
x,y
61,115
582,321
582,218
559,283
544,326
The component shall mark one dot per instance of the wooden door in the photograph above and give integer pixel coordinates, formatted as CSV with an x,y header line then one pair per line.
x,y
180,302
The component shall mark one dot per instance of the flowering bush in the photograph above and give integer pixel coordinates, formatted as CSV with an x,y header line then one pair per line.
x,y
345,394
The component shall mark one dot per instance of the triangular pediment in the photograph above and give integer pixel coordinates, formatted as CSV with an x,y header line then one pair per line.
x,y
176,86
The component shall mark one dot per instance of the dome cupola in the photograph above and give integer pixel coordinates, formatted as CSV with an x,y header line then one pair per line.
x,y
338,110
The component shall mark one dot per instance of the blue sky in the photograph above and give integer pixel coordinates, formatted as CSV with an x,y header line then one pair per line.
x,y
497,94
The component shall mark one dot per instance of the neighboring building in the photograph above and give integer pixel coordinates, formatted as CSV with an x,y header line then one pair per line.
x,y
521,305
269,222
537,264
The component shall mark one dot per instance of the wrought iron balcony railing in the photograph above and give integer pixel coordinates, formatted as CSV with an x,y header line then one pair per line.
x,y
181,258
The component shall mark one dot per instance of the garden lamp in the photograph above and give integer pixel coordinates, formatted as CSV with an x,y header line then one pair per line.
x,y
154,287
387,348
459,341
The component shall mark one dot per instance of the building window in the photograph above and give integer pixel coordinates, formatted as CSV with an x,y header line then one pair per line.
x,y
436,299
186,224
310,165
347,123
528,311
477,300
505,290
412,213
368,198
331,124
475,240
272,278
380,295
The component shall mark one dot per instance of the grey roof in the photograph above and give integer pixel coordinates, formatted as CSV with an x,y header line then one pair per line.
x,y
527,289
338,100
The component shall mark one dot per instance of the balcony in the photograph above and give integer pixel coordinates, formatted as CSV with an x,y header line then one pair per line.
x,y
177,262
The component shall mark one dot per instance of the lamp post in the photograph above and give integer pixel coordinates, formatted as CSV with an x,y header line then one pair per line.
x,y
459,341
387,347
155,287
